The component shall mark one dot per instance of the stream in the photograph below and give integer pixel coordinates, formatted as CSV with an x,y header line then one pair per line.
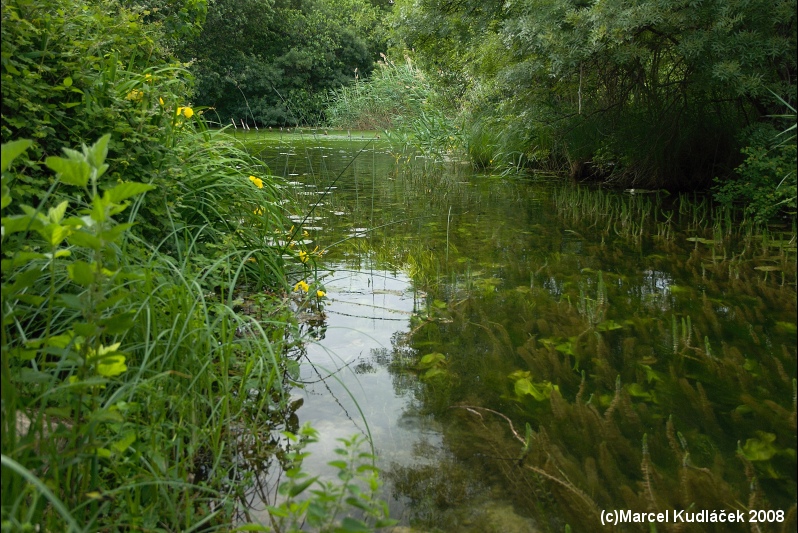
x,y
526,353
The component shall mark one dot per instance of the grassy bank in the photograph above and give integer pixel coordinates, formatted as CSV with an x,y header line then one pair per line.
x,y
133,380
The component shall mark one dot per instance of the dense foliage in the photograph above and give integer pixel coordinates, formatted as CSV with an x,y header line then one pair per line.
x,y
128,228
650,93
272,62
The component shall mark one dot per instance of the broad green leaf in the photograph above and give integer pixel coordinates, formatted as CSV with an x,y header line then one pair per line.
x,y
520,374
433,372
11,151
21,353
608,325
125,442
113,234
638,391
760,449
54,234
98,153
108,361
86,329
69,171
299,488
6,197
357,503
103,453
24,280
118,324
32,299
29,375
112,366
87,240
70,301
56,214
17,223
123,191
351,525
566,347
292,369
81,273
539,391
432,359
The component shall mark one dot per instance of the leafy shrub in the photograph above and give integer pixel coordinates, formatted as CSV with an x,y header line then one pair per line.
x,y
65,79
765,182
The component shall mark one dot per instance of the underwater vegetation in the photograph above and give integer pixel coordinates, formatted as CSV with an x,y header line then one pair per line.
x,y
651,360
580,349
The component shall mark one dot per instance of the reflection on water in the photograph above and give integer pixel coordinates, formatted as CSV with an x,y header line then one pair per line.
x,y
526,355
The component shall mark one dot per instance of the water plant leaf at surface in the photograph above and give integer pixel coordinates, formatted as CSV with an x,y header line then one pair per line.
x,y
539,391
433,373
431,360
761,448
608,325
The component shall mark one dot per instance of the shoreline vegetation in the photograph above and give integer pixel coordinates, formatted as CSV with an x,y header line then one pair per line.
x,y
132,382
131,225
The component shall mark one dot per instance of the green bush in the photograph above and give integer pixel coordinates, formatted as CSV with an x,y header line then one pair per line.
x,y
765,183
122,382
101,70
126,372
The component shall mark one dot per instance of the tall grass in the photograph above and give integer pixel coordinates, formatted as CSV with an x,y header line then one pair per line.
x,y
392,91
399,99
125,382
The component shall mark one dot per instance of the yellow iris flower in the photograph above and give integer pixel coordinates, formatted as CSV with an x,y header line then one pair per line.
x,y
303,256
185,111
302,286
257,181
320,293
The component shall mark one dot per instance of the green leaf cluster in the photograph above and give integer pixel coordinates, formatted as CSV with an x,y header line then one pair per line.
x,y
355,491
765,183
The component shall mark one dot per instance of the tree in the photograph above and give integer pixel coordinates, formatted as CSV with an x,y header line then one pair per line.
x,y
647,92
273,62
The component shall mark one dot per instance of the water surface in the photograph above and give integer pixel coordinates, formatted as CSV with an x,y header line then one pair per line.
x,y
526,353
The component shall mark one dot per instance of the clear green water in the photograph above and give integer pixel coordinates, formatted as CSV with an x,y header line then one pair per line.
x,y
648,343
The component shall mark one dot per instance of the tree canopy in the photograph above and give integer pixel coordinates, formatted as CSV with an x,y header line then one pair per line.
x,y
273,62
656,91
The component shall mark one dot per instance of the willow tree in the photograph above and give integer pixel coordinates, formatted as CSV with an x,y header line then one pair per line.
x,y
653,91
